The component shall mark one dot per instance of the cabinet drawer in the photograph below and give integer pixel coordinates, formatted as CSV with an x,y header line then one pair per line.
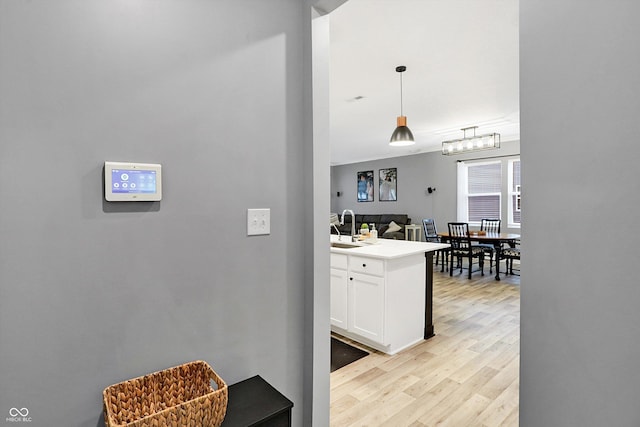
x,y
367,265
338,261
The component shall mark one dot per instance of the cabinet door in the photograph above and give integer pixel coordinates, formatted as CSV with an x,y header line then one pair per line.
x,y
338,309
366,306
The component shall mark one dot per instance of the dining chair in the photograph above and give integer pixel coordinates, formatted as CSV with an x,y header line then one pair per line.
x,y
461,247
509,254
491,226
431,235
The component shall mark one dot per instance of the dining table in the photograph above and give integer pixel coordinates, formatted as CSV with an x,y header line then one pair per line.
x,y
492,238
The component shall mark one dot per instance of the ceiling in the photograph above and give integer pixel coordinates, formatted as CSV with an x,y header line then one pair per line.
x,y
462,70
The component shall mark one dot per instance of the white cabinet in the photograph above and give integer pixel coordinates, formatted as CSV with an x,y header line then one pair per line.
x,y
378,302
360,264
339,290
357,295
366,306
338,313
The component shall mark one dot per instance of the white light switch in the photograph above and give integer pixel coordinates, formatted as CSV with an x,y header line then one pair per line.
x,y
258,222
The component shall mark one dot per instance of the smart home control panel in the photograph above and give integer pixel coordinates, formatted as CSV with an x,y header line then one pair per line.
x,y
132,182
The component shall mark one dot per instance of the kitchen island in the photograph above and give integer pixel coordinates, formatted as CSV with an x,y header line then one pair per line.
x,y
382,293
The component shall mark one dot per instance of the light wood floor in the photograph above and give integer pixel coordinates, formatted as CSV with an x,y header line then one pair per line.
x,y
467,375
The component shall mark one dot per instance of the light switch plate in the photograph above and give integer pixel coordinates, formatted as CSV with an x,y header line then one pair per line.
x,y
258,222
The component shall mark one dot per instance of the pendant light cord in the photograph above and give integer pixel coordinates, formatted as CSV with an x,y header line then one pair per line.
x,y
401,112
401,69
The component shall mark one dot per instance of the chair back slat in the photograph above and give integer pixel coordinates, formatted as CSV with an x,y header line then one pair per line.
x,y
460,241
459,236
430,231
490,225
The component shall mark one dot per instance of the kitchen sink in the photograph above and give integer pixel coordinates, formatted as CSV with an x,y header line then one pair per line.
x,y
343,245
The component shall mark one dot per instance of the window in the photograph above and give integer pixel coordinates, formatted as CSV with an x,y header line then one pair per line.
x,y
514,193
479,191
487,188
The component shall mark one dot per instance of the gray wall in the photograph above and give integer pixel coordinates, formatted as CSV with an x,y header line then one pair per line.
x,y
94,293
580,360
415,174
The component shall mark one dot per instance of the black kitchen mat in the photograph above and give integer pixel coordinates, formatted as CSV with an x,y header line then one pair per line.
x,y
342,354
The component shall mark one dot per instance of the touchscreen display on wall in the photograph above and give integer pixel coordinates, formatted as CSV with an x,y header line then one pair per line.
x,y
133,182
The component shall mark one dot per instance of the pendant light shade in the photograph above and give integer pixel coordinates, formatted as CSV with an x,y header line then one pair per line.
x,y
402,135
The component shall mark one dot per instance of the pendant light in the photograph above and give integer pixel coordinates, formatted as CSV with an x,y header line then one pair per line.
x,y
402,135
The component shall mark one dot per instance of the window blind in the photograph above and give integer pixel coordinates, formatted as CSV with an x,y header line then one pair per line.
x,y
484,190
485,178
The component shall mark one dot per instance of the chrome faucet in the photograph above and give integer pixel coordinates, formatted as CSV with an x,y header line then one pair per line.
x,y
353,222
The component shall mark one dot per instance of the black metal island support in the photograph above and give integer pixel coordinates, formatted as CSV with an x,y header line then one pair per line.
x,y
428,297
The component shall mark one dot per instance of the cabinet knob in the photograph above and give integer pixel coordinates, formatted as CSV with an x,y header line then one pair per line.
x,y
350,278
364,265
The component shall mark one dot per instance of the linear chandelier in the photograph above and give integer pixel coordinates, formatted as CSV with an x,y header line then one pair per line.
x,y
471,143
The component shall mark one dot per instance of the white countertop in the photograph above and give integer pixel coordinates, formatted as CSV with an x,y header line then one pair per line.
x,y
385,248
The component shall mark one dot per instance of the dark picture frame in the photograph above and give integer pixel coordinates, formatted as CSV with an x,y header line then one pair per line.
x,y
388,184
364,189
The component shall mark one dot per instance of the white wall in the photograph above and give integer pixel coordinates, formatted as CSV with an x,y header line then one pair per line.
x,y
93,293
415,174
580,74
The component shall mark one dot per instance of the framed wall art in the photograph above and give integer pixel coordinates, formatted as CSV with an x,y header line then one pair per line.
x,y
388,184
365,186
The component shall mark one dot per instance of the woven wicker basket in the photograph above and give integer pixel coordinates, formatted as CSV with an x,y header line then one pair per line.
x,y
176,397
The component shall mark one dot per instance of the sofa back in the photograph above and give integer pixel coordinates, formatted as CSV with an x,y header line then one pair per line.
x,y
381,221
